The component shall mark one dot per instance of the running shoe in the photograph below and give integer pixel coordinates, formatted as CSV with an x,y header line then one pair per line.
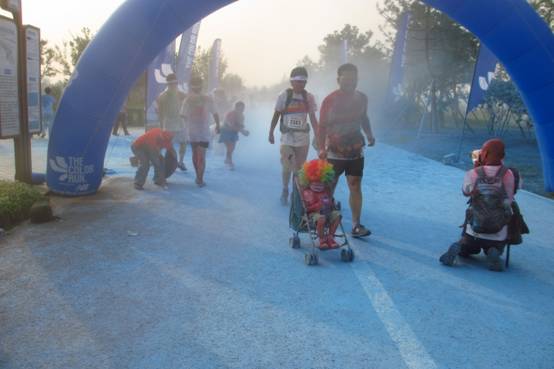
x,y
332,243
182,166
493,260
323,245
360,231
449,257
163,185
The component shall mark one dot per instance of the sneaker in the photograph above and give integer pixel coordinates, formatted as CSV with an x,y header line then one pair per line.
x,y
182,166
332,243
360,231
285,197
449,257
138,187
493,260
323,245
163,185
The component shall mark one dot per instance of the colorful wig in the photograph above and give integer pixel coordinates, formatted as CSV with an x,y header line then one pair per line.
x,y
316,171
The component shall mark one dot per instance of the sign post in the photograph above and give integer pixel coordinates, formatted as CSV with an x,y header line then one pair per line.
x,y
22,142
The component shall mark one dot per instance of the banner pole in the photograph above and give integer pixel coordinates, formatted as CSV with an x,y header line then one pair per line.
x,y
459,152
145,100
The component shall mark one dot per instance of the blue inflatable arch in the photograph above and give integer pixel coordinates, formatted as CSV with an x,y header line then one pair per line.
x,y
140,29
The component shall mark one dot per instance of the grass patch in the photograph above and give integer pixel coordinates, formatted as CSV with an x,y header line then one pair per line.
x,y
16,199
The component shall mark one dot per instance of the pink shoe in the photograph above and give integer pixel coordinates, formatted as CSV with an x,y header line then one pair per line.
x,y
323,244
332,243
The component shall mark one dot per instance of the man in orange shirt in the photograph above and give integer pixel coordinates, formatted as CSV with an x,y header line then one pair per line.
x,y
147,148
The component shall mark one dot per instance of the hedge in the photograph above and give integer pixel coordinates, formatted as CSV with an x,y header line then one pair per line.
x,y
16,199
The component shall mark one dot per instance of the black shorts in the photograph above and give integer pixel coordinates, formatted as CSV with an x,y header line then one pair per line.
x,y
200,143
351,167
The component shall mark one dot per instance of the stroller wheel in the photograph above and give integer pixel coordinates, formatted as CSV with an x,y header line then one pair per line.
x,y
294,242
311,259
347,255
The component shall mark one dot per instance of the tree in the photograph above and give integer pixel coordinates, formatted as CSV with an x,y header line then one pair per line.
x,y
233,85
505,106
67,56
47,60
358,45
368,57
440,55
546,9
201,65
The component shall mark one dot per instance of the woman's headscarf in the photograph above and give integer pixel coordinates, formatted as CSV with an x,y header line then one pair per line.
x,y
492,152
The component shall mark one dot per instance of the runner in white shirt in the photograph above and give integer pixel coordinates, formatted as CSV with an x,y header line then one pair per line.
x,y
292,110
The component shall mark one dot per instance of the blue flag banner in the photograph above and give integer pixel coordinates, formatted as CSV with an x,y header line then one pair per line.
x,y
215,59
398,63
156,79
482,77
187,52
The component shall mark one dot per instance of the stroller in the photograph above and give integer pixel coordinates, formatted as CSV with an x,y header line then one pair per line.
x,y
300,222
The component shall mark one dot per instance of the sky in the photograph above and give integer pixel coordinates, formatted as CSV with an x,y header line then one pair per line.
x,y
262,39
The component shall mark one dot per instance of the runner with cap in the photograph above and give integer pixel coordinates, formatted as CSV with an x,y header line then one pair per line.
x,y
292,110
169,103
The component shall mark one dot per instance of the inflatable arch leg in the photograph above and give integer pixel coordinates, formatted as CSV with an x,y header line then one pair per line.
x,y
140,29
118,55
524,44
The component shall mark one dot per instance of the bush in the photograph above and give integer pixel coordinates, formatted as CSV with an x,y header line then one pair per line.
x,y
16,200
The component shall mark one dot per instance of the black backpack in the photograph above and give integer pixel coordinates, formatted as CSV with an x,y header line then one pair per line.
x,y
282,127
489,210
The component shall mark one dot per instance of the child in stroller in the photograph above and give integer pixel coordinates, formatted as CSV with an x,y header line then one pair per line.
x,y
315,179
314,211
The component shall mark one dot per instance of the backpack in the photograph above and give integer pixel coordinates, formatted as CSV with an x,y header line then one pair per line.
x,y
489,211
282,127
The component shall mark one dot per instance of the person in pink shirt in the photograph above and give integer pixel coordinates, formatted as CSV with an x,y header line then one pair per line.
x,y
232,125
491,187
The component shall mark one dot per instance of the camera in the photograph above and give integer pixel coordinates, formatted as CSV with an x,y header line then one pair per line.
x,y
475,156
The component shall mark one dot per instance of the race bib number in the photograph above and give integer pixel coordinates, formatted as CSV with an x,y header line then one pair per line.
x,y
295,121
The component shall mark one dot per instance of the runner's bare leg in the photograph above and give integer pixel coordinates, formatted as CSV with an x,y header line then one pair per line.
x,y
354,185
201,154
182,151
300,155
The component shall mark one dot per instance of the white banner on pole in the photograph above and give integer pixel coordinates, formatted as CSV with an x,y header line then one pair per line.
x,y
32,36
214,66
9,89
187,52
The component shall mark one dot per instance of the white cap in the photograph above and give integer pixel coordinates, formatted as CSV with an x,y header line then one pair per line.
x,y
299,78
